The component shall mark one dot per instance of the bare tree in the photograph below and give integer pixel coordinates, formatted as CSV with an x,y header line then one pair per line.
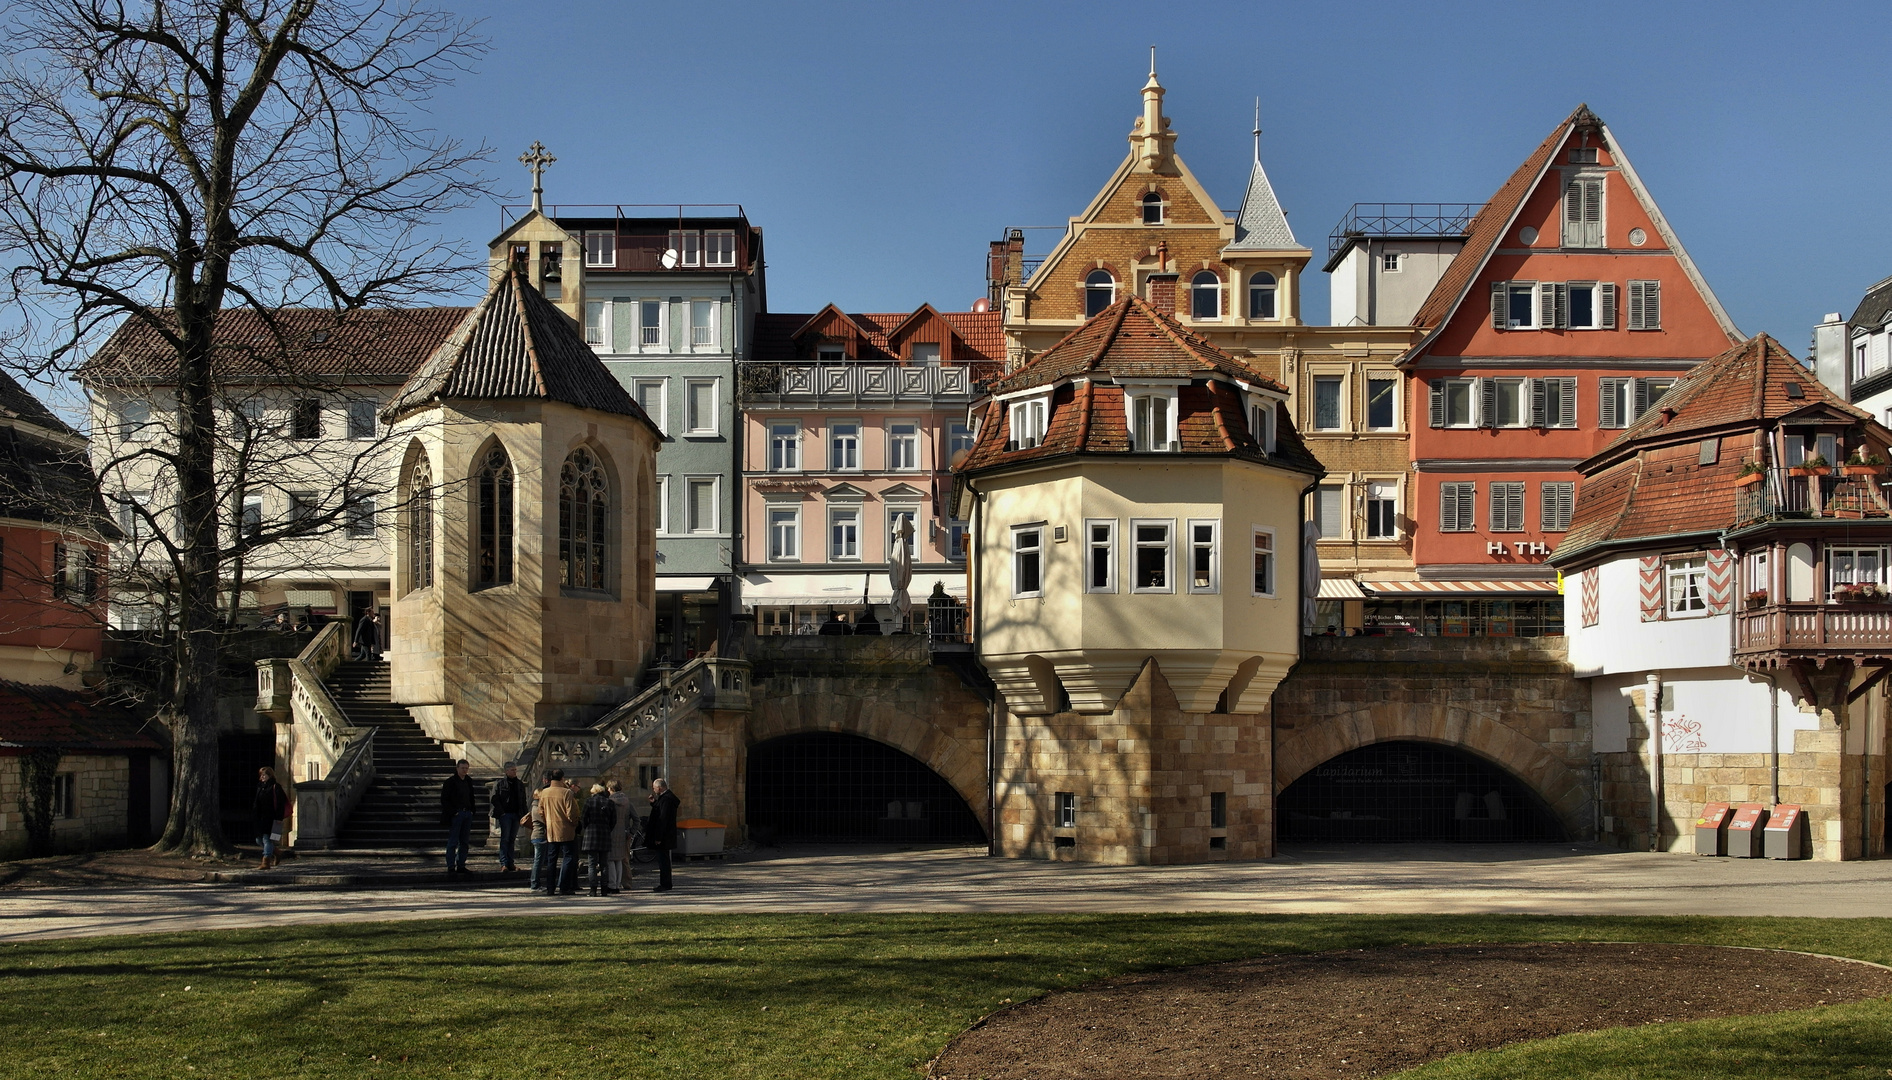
x,y
167,161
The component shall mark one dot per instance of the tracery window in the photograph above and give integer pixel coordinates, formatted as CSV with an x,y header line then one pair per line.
x,y
420,524
493,512
584,518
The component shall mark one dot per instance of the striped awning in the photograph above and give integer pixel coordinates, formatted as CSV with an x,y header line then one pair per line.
x,y
1461,588
1340,588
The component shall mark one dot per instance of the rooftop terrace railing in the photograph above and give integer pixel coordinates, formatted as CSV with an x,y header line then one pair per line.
x,y
1393,220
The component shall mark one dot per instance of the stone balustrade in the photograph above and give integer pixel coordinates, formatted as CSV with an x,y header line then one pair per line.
x,y
707,682
313,729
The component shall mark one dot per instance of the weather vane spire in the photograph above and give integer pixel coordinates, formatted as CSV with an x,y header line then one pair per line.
x,y
1152,61
536,159
1257,129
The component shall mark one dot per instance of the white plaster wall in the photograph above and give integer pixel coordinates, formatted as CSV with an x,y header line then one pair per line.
x,y
1707,711
1622,642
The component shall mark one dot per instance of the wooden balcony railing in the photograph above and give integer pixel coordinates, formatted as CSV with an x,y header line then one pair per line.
x,y
1812,628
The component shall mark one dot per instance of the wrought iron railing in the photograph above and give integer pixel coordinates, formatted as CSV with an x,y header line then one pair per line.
x,y
1395,220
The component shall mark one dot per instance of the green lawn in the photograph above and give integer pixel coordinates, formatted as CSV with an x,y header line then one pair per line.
x,y
850,997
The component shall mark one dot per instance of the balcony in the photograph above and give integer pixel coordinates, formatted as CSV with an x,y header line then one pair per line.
x,y
1402,220
1783,495
1813,630
791,384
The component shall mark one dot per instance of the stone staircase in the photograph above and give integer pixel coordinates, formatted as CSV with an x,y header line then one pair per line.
x,y
401,808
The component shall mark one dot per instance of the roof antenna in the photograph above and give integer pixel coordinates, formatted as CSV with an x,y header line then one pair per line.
x,y
1257,131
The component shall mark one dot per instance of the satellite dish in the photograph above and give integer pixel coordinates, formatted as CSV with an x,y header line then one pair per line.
x,y
669,259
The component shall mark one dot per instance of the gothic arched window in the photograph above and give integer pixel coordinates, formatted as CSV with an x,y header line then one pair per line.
x,y
493,514
420,524
1100,291
584,521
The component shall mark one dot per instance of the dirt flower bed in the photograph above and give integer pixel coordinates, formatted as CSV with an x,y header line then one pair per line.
x,y
1369,1013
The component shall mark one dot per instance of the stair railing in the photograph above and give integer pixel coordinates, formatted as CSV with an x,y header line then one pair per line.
x,y
294,693
708,682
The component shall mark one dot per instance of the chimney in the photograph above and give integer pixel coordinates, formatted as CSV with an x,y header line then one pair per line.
x,y
1163,293
1004,265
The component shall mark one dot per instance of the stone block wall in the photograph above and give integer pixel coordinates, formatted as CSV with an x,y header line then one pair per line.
x,y
102,784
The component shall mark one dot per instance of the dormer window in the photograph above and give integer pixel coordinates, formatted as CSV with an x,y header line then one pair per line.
x,y
830,354
1261,421
719,247
1153,208
923,352
1028,422
600,249
1151,413
1205,296
1261,296
1100,291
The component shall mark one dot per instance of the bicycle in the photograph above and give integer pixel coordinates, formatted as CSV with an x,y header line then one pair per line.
x,y
639,853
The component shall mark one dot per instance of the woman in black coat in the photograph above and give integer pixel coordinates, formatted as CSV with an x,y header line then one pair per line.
x,y
594,838
271,811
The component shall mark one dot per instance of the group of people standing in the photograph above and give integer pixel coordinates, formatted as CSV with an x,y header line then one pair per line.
x,y
563,825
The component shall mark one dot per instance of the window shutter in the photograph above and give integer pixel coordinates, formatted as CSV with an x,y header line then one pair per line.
x,y
1720,581
1592,213
1573,214
1606,412
1652,305
1487,402
1435,394
1649,570
1448,507
1538,404
1606,305
1467,492
1547,305
1498,289
1496,517
1514,506
1592,601
1642,398
1567,402
1563,305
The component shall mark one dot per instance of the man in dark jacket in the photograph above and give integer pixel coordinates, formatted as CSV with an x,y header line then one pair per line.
x,y
456,813
594,838
660,835
506,801
368,636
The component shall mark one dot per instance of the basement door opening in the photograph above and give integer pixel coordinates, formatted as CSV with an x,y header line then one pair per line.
x,y
1416,793
827,787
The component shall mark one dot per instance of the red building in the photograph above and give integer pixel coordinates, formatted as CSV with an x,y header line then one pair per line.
x,y
1571,309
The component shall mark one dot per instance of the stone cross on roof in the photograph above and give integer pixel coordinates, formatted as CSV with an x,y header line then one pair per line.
x,y
536,159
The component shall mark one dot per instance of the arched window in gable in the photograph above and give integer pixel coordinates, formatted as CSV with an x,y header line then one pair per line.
x,y
584,521
1153,208
492,494
420,524
1261,295
1100,291
1205,296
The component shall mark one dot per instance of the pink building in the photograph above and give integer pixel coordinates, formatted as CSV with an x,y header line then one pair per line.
x,y
849,425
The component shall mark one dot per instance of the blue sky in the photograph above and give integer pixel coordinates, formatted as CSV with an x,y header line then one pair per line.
x,y
881,145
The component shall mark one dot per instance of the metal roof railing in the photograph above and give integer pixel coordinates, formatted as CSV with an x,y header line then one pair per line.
x,y
1392,220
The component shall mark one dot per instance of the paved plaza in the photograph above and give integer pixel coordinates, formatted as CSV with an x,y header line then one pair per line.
x,y
1515,880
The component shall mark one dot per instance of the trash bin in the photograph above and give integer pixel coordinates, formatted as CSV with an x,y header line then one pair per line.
x,y
699,836
1744,832
1711,829
1786,833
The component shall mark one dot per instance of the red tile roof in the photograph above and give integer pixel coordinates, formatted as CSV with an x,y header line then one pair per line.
x,y
283,343
1130,338
73,720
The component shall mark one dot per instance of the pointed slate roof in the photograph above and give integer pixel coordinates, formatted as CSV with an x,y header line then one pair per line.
x,y
1262,225
515,344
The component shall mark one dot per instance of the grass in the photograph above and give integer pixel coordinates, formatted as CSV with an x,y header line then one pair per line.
x,y
804,996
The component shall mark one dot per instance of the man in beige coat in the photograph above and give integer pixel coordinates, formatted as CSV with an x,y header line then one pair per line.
x,y
559,805
617,859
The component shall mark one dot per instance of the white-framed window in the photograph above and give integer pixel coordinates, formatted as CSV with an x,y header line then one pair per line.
x,y
651,335
1264,561
132,515
1507,402
688,246
784,534
701,406
1590,305
1645,305
1100,291
719,247
1854,566
844,446
303,507
134,421
1615,407
305,420
1261,413
1458,506
1028,416
1382,402
703,326
958,440
844,533
1151,540
831,354
361,420
600,249
1153,208
1100,555
1066,804
923,352
597,323
663,505
1028,543
1507,505
1151,414
1205,556
1583,212
653,397
360,516
1261,295
1389,262
1330,511
896,515
252,524
700,504
903,445
65,802
1514,305
1454,402
1687,586
1382,510
1649,391
1557,500
1327,402
1205,296
1554,402
956,533
785,446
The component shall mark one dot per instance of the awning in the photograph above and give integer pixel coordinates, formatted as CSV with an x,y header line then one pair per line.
x,y
685,584
310,598
1460,588
1340,588
839,590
